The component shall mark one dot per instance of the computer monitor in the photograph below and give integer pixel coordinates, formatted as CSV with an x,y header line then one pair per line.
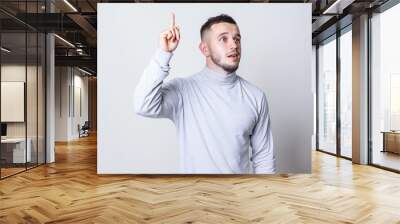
x,y
3,129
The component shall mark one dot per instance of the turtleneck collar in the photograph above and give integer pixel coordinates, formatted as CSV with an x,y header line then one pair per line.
x,y
224,79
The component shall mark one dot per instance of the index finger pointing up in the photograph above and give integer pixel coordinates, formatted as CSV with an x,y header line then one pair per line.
x,y
173,20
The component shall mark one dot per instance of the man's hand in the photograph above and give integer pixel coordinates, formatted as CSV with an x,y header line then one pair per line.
x,y
169,39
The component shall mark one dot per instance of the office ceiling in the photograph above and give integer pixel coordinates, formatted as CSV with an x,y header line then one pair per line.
x,y
76,22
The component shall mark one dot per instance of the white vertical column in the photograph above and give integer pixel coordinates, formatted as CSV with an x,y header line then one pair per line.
x,y
50,93
360,90
50,110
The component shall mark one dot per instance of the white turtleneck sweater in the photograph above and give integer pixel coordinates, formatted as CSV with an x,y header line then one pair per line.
x,y
218,118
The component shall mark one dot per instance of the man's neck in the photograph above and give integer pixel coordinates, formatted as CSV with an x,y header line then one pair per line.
x,y
217,69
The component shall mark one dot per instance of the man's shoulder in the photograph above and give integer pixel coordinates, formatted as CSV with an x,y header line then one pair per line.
x,y
256,94
253,88
181,82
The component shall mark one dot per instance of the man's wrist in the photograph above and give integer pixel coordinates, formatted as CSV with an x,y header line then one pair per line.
x,y
163,57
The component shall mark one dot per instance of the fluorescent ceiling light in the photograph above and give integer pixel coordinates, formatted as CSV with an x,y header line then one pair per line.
x,y
70,5
338,6
331,7
65,41
5,49
84,71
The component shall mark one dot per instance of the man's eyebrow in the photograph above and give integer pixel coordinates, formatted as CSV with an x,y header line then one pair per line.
x,y
227,33
222,34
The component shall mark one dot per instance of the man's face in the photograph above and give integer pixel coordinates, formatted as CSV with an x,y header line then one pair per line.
x,y
223,41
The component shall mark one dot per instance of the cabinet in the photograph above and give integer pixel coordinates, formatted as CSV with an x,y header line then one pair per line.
x,y
391,142
13,150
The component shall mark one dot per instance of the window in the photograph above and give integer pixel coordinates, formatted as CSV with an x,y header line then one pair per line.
x,y
385,88
346,93
327,96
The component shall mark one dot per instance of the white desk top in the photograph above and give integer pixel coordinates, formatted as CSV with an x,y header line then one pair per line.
x,y
13,140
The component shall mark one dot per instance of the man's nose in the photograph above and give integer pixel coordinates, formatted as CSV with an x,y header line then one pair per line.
x,y
233,44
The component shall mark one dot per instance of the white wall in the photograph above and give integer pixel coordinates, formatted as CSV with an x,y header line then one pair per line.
x,y
80,83
67,80
61,103
276,56
16,73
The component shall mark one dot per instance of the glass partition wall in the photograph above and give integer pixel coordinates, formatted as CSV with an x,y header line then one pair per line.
x,y
334,93
385,89
22,77
327,95
13,90
334,77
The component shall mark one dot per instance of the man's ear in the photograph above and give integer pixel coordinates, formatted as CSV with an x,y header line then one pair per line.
x,y
204,48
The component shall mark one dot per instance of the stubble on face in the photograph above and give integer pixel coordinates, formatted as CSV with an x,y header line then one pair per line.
x,y
217,59
220,55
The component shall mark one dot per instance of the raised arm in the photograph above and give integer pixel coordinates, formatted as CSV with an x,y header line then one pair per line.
x,y
152,97
262,143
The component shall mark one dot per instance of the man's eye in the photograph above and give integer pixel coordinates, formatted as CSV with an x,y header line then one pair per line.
x,y
224,39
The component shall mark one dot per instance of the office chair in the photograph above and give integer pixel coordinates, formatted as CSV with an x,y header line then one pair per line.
x,y
84,130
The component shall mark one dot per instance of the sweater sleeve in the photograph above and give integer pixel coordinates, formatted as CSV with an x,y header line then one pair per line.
x,y
153,97
262,143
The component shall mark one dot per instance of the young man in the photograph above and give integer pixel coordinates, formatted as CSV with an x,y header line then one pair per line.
x,y
218,114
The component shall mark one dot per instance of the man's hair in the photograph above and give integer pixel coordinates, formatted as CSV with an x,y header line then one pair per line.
x,y
223,18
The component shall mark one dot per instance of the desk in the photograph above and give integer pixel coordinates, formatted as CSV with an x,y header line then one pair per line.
x,y
15,148
391,141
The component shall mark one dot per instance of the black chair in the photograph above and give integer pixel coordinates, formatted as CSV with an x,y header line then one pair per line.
x,y
84,130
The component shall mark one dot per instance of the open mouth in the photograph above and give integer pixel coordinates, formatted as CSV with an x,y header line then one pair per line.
x,y
233,56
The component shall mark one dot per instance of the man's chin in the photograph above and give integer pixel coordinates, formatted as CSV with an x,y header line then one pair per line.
x,y
231,69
